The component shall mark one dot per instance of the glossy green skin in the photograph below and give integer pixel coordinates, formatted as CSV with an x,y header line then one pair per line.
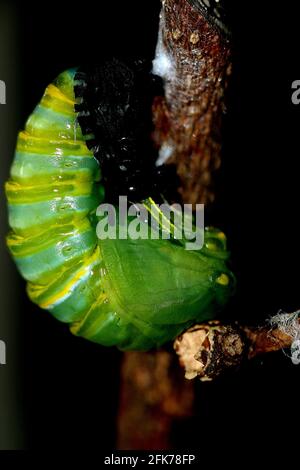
x,y
135,294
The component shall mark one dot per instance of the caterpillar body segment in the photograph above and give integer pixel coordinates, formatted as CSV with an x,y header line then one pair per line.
x,y
134,294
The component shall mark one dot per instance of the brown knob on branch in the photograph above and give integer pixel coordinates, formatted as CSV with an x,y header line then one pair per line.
x,y
209,349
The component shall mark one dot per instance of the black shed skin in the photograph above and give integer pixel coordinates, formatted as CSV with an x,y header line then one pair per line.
x,y
115,107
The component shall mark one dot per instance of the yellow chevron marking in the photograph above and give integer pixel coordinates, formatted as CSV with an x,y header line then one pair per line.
x,y
54,92
76,325
60,295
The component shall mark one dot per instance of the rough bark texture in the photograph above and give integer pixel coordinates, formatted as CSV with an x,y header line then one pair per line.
x,y
189,118
154,393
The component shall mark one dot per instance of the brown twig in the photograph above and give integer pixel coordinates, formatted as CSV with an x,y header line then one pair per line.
x,y
188,120
208,350
154,393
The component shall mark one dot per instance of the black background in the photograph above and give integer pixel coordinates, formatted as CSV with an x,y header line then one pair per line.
x,y
69,387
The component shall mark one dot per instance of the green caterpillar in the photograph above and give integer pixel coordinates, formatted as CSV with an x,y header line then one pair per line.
x,y
134,294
